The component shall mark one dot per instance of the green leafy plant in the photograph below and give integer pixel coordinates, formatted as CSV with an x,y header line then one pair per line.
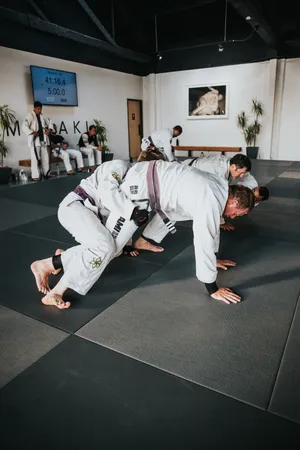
x,y
251,129
101,132
7,119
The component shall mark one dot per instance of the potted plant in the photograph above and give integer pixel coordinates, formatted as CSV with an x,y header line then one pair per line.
x,y
101,133
251,129
7,119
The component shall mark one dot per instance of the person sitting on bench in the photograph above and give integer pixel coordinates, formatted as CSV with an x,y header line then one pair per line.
x,y
60,149
88,145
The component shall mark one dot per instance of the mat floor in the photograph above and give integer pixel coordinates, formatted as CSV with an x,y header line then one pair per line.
x,y
146,360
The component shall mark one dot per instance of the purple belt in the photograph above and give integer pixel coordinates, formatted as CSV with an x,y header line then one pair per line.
x,y
85,196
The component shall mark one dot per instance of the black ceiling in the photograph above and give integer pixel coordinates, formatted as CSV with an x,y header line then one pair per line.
x,y
129,35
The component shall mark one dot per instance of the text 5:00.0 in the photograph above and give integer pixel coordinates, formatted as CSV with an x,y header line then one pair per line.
x,y
56,91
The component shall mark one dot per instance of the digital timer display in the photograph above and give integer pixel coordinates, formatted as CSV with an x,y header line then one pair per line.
x,y
54,87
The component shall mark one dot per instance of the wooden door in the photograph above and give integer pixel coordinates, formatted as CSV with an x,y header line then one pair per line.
x,y
134,127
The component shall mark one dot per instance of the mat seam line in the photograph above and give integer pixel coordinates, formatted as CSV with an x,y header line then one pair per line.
x,y
283,354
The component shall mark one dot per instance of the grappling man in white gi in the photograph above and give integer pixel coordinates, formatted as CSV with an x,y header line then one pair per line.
x,y
182,193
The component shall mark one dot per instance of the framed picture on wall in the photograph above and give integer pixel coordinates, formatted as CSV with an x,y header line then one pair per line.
x,y
207,102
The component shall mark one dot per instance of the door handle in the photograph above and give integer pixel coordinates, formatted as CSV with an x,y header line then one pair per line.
x,y
139,128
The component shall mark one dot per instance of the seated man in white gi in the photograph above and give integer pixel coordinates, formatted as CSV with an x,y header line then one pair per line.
x,y
175,186
89,145
102,219
162,140
60,149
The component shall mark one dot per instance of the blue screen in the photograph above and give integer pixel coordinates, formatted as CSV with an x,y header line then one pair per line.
x,y
54,87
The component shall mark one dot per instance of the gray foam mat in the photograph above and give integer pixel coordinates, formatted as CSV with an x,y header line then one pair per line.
x,y
49,192
285,399
270,162
111,402
295,165
13,213
23,341
18,289
283,187
171,323
278,205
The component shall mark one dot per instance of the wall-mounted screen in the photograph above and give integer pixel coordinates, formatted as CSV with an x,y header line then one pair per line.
x,y
54,87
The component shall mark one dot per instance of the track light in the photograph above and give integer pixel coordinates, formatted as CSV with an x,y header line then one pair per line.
x,y
221,48
159,56
248,18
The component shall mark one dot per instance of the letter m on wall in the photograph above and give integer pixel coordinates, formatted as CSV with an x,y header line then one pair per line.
x,y
14,130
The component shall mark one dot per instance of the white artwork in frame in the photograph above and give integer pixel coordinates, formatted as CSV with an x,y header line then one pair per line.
x,y
207,101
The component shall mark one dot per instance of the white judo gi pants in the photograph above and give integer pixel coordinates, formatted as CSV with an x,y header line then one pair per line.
x,y
65,156
93,155
43,154
99,244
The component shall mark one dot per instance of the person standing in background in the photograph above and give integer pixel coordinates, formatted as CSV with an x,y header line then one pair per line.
x,y
88,145
162,140
37,128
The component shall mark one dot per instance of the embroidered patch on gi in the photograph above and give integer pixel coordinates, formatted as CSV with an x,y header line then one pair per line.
x,y
117,177
134,189
96,263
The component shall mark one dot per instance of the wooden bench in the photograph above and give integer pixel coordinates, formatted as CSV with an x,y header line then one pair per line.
x,y
191,148
53,160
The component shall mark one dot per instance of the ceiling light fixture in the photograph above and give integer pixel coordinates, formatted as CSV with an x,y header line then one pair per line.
x,y
221,48
248,18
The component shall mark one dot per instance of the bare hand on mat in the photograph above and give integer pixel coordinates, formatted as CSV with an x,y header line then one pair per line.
x,y
224,263
226,295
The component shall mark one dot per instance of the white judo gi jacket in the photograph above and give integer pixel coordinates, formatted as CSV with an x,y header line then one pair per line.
x,y
217,165
30,125
186,194
162,140
247,180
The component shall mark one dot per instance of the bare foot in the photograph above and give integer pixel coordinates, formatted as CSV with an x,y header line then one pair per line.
x,y
40,270
52,299
59,251
142,244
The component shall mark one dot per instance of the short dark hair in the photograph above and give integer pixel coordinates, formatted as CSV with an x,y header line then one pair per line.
x,y
151,154
263,192
91,127
244,195
241,161
178,128
37,105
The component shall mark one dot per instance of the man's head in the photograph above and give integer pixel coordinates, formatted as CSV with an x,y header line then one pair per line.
x,y
151,154
37,108
177,130
261,193
241,200
92,130
239,165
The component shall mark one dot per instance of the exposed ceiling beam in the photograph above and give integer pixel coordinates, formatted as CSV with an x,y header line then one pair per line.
x,y
185,6
38,10
133,25
248,10
51,28
97,22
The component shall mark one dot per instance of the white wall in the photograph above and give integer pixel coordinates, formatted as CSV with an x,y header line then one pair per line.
x,y
102,94
289,122
258,80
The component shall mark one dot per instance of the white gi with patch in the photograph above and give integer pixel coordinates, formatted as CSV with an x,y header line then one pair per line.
x,y
101,238
30,126
186,194
162,140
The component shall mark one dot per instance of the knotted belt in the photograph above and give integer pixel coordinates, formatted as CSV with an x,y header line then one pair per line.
x,y
154,195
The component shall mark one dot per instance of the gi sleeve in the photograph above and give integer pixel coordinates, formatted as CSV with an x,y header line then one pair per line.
x,y
86,142
206,228
26,126
112,197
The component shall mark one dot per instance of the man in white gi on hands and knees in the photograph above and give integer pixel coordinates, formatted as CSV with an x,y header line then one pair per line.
x,y
102,220
89,145
37,127
162,140
184,193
